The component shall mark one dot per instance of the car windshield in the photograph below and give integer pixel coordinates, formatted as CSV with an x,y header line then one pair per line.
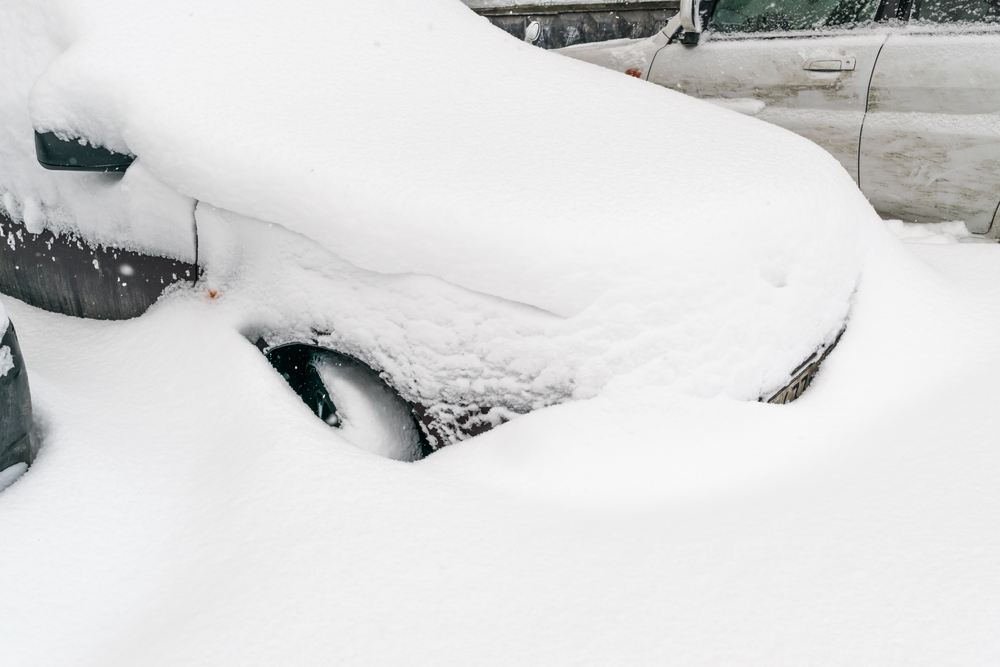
x,y
778,16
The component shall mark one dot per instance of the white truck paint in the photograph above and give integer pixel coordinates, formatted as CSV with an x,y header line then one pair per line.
x,y
931,141
791,76
788,80
912,113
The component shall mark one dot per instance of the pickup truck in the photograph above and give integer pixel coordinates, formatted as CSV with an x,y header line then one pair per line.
x,y
903,93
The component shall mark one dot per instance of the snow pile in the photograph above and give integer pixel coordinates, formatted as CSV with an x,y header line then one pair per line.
x,y
923,232
188,509
543,226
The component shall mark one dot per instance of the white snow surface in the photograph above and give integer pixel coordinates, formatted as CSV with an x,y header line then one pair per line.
x,y
553,208
187,509
940,232
369,414
11,474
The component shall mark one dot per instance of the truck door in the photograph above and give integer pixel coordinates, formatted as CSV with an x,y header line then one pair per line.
x,y
802,64
930,148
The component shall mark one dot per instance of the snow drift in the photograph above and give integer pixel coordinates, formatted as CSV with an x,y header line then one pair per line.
x,y
187,509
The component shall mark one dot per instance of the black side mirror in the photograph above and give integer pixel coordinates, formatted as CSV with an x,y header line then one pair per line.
x,y
69,154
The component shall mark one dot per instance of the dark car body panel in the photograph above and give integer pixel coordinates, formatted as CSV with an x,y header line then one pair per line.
x,y
65,275
16,440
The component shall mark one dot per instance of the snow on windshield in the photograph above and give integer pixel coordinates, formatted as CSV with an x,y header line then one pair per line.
x,y
413,139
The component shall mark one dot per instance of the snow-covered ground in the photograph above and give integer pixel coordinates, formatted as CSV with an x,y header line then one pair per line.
x,y
187,509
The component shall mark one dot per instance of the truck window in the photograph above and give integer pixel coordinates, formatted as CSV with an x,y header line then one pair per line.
x,y
959,11
784,15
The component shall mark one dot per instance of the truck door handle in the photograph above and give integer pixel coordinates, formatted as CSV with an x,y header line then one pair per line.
x,y
845,64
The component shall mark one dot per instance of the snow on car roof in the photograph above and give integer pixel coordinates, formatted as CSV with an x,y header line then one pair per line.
x,y
414,138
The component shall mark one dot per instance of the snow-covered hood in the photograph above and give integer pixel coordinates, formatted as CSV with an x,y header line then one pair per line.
x,y
415,142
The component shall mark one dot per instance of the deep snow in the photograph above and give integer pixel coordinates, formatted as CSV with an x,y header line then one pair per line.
x,y
186,508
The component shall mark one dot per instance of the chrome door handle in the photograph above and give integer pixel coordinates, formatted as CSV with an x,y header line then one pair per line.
x,y
845,64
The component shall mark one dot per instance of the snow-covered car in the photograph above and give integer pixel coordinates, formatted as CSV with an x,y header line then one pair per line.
x,y
904,94
17,440
433,236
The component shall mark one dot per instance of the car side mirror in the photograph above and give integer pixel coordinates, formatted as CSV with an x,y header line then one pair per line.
x,y
69,154
690,22
685,25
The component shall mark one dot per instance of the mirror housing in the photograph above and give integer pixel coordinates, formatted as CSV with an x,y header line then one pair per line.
x,y
690,22
533,32
71,155
685,24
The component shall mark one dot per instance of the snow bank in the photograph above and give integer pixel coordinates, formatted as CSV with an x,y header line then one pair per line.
x,y
188,509
11,474
574,224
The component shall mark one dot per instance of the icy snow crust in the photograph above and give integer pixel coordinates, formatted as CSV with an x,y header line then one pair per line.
x,y
502,226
